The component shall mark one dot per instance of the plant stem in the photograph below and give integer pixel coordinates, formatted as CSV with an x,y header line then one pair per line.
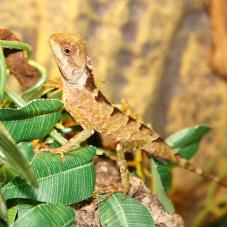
x,y
42,80
15,97
58,137
17,45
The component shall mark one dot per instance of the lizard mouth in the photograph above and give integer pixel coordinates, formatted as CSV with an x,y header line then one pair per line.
x,y
54,48
56,51
52,41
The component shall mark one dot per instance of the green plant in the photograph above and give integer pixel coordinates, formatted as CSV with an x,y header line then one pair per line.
x,y
44,186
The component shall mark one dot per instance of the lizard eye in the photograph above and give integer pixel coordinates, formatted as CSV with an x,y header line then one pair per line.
x,y
68,50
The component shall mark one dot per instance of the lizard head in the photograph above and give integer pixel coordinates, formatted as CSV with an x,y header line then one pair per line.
x,y
70,55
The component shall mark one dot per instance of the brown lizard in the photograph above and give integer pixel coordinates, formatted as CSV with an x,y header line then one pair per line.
x,y
94,112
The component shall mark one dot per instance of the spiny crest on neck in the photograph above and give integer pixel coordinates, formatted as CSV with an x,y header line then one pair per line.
x,y
90,82
90,85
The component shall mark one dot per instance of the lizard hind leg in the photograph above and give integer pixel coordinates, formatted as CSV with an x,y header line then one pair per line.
x,y
124,172
122,147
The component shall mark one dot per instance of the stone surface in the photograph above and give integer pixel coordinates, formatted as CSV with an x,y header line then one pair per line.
x,y
106,175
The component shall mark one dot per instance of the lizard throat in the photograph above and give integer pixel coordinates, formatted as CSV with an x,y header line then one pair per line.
x,y
78,77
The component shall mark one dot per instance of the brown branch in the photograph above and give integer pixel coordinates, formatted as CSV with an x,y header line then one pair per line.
x,y
17,63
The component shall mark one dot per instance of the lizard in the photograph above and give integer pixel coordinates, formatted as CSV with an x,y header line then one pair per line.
x,y
94,112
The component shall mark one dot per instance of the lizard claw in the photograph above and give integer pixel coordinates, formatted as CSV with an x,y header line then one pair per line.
x,y
38,150
125,190
45,148
59,150
108,193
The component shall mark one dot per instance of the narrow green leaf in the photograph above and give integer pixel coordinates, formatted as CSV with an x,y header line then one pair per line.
x,y
33,121
51,215
14,157
3,208
27,150
68,181
165,174
159,190
3,73
6,174
187,136
12,212
117,211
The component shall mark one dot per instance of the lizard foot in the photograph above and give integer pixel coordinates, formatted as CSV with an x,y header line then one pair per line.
x,y
41,148
108,193
125,188
57,150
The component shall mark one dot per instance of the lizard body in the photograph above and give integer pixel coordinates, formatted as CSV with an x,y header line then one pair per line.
x,y
93,111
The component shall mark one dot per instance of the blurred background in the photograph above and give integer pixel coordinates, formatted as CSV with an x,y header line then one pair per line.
x,y
166,58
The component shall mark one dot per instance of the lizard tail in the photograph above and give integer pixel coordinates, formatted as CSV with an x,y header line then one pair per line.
x,y
189,166
160,149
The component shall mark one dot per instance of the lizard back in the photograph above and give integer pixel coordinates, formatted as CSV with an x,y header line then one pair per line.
x,y
92,110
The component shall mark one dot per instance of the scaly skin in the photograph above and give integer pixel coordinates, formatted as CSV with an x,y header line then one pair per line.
x,y
94,112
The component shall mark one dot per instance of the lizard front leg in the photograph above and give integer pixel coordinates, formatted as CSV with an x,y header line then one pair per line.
x,y
73,143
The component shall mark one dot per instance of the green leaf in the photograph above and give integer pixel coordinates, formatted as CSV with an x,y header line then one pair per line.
x,y
117,211
23,208
12,212
56,215
187,136
68,181
189,151
33,121
14,158
165,174
187,140
159,190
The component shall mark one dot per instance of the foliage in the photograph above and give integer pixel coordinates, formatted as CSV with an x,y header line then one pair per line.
x,y
187,140
55,178
159,189
62,183
120,211
186,143
37,119
47,215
